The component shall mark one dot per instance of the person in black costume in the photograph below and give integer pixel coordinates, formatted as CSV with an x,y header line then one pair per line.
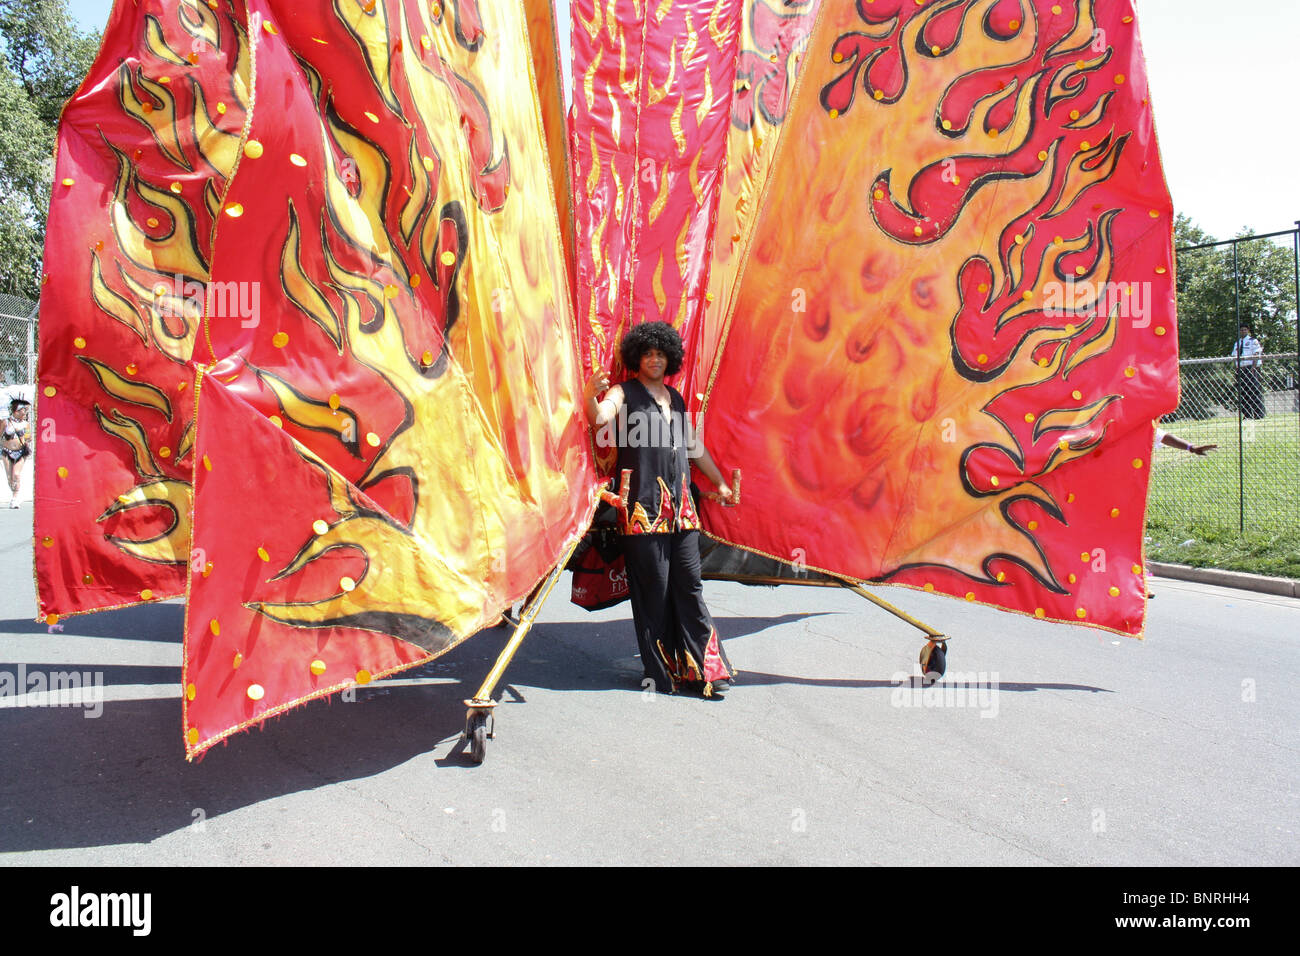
x,y
646,418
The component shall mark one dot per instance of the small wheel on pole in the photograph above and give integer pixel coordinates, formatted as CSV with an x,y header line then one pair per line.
x,y
477,732
934,662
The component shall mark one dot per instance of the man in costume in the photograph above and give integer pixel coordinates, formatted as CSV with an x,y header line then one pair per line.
x,y
647,418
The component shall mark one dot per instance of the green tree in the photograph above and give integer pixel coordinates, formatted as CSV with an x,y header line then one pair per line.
x,y
46,51
43,58
1211,306
24,187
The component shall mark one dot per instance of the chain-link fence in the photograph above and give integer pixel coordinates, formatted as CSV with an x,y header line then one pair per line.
x,y
17,340
1238,298
1250,410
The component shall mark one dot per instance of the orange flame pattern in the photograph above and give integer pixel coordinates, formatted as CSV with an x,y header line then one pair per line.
x,y
128,255
313,359
771,51
386,214
651,106
971,377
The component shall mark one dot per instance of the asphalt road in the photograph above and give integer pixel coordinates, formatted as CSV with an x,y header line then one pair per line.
x,y
1058,744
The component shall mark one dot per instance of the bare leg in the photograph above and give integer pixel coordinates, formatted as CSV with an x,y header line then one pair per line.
x,y
13,473
16,477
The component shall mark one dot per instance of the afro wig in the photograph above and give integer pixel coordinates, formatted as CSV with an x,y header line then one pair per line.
x,y
652,335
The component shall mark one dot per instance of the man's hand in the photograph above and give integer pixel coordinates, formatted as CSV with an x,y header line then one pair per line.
x,y
597,384
600,412
1201,450
726,495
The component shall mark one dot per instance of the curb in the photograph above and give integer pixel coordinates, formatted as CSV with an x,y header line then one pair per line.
x,y
1285,587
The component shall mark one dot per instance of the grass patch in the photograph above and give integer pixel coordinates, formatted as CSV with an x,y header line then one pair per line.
x,y
1200,500
1255,552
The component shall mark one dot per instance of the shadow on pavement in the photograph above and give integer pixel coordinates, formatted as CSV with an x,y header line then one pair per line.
x,y
758,679
122,778
144,622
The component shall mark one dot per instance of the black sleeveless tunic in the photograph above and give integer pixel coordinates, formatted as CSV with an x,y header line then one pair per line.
x,y
652,451
674,631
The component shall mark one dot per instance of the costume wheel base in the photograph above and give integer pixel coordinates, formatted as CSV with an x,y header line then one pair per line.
x,y
480,724
934,662
478,740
